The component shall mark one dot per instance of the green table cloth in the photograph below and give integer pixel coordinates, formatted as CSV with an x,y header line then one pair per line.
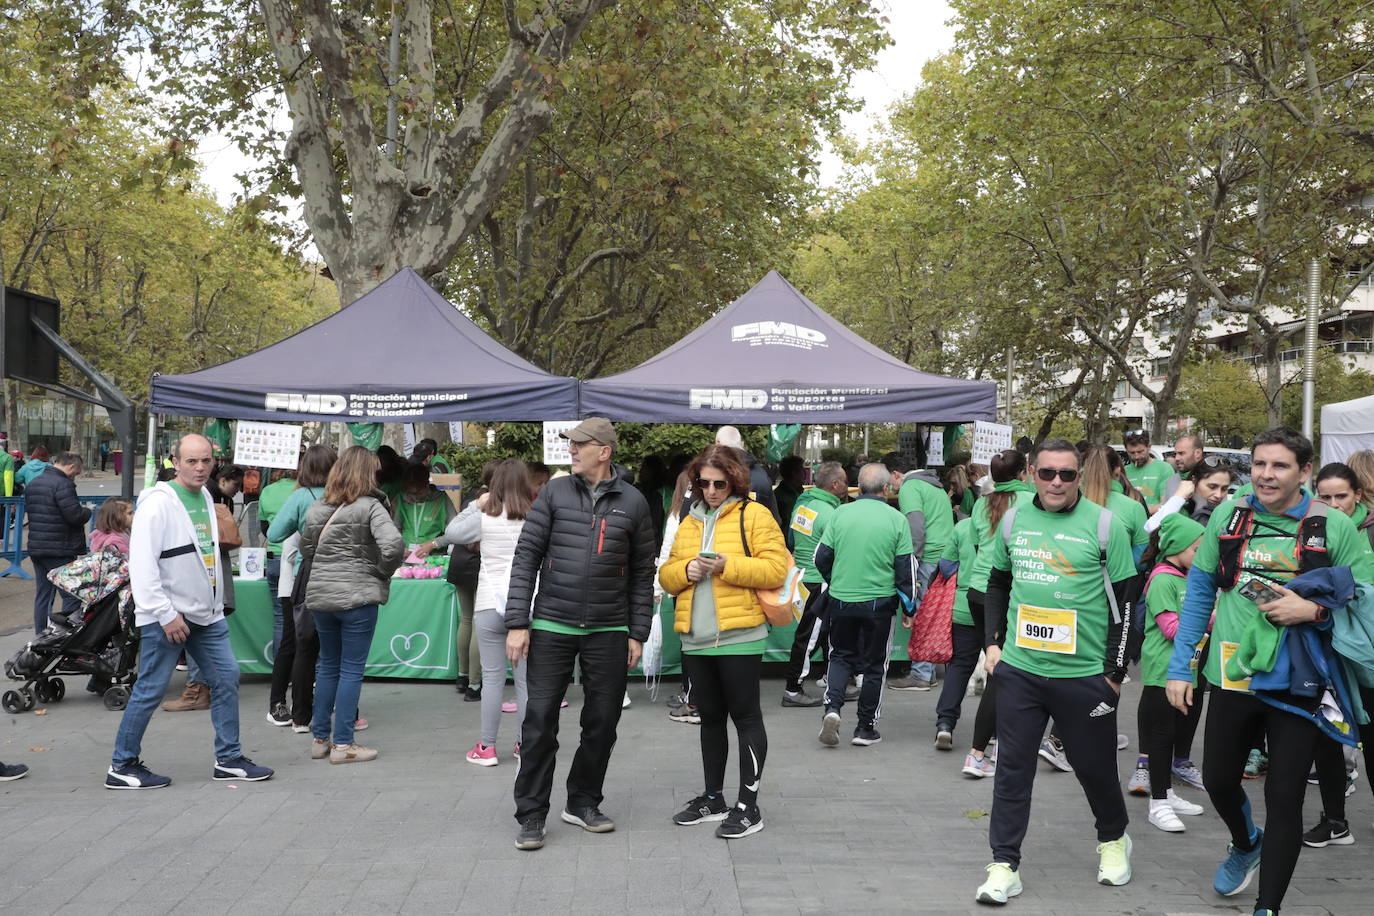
x,y
416,630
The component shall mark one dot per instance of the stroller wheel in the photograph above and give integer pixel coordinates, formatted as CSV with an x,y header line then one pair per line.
x,y
30,701
12,702
43,690
59,689
117,697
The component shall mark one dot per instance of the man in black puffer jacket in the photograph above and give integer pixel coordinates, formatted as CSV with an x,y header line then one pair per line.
x,y
56,531
588,544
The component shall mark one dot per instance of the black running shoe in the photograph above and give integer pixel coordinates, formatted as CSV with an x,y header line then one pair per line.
x,y
1328,832
702,808
531,835
12,771
740,822
865,735
590,819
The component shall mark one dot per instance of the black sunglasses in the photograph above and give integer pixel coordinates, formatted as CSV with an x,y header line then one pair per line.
x,y
1068,475
704,484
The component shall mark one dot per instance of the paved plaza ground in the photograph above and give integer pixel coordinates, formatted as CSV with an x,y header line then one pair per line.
x,y
888,829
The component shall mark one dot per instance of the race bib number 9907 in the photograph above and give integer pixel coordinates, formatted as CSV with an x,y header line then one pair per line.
x,y
1046,629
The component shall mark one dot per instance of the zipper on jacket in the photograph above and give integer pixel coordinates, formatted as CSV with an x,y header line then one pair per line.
x,y
601,538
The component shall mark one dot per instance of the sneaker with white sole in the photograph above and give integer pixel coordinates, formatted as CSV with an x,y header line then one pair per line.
x,y
134,776
742,821
1235,871
240,769
351,753
1139,783
1003,883
1053,753
865,736
1182,805
1328,832
1114,862
300,729
279,715
979,767
482,755
701,809
1163,816
590,819
1188,773
625,703
830,729
944,737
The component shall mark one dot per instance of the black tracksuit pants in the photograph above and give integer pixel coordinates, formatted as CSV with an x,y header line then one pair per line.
x,y
813,630
602,657
859,645
1025,704
1231,724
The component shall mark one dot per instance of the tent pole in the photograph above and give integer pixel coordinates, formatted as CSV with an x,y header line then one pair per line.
x,y
1309,356
866,438
150,462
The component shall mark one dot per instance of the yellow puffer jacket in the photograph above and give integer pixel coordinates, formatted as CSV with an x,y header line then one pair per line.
x,y
736,604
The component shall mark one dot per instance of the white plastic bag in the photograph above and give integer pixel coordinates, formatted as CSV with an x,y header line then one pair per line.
x,y
651,661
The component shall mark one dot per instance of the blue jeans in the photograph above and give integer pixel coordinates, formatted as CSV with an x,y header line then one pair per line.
x,y
209,647
345,638
273,572
44,591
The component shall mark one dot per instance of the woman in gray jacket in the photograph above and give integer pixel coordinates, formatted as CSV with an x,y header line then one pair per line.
x,y
353,548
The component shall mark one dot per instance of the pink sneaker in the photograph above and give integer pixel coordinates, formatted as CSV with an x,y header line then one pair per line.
x,y
563,705
509,706
359,724
516,750
483,755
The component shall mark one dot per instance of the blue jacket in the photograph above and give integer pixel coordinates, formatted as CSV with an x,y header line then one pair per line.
x,y
56,518
1308,666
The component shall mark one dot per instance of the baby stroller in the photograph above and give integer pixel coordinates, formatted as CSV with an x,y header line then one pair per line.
x,y
100,640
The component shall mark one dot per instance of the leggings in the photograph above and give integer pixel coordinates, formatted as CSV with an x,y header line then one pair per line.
x,y
985,721
303,678
1166,735
469,655
967,642
1292,742
491,640
1330,760
285,658
728,685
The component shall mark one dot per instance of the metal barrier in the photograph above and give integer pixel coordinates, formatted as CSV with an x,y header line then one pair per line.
x,y
12,551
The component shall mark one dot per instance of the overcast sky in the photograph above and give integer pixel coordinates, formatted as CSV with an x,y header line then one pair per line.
x,y
918,28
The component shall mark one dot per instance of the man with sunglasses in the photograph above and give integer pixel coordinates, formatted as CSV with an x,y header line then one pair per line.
x,y
588,543
1058,618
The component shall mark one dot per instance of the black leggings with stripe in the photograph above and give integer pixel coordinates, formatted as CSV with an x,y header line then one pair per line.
x,y
727,686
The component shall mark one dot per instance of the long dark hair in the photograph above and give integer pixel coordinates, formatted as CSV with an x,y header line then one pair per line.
x,y
510,490
722,458
1005,466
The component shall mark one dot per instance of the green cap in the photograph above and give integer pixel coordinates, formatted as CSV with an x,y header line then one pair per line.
x,y
1176,533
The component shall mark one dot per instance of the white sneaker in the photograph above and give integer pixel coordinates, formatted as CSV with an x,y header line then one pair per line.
x,y
625,703
1162,816
1002,884
1182,805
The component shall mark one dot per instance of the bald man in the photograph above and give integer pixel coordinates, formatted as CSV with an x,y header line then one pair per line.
x,y
760,484
178,586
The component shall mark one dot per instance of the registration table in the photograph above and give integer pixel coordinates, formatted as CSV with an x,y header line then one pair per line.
x,y
417,632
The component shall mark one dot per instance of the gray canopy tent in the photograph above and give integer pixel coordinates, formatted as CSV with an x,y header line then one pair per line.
x,y
401,353
774,356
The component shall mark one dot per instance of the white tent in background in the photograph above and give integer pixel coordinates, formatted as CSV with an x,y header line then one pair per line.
x,y
1347,427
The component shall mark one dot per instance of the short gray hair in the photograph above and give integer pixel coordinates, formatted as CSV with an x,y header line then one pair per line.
x,y
69,459
729,435
874,478
827,473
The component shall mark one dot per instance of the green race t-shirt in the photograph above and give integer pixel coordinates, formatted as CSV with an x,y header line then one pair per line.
x,y
921,496
1131,513
1058,614
1270,553
270,501
201,520
809,518
1165,595
866,535
753,647
962,549
1021,492
1150,479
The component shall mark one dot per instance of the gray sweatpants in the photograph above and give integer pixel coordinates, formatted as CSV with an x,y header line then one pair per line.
x,y
490,634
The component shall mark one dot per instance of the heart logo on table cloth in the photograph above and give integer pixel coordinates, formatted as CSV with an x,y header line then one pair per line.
x,y
408,644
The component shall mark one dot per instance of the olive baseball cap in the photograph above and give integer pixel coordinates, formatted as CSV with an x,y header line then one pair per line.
x,y
598,428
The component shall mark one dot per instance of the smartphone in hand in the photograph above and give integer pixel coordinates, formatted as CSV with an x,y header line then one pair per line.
x,y
1259,591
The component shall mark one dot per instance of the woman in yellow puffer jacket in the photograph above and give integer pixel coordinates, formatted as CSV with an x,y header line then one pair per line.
x,y
727,547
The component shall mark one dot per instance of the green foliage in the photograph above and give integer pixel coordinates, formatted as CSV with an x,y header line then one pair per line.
x,y
1224,397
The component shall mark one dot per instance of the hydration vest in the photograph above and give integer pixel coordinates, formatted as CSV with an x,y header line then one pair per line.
x,y
1311,542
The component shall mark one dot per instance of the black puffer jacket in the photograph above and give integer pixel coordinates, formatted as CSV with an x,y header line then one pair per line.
x,y
56,518
593,560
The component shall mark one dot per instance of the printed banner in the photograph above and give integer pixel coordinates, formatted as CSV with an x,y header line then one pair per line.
x,y
988,440
935,449
267,445
555,446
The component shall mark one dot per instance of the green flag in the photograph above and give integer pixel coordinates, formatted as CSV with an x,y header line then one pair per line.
x,y
368,435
